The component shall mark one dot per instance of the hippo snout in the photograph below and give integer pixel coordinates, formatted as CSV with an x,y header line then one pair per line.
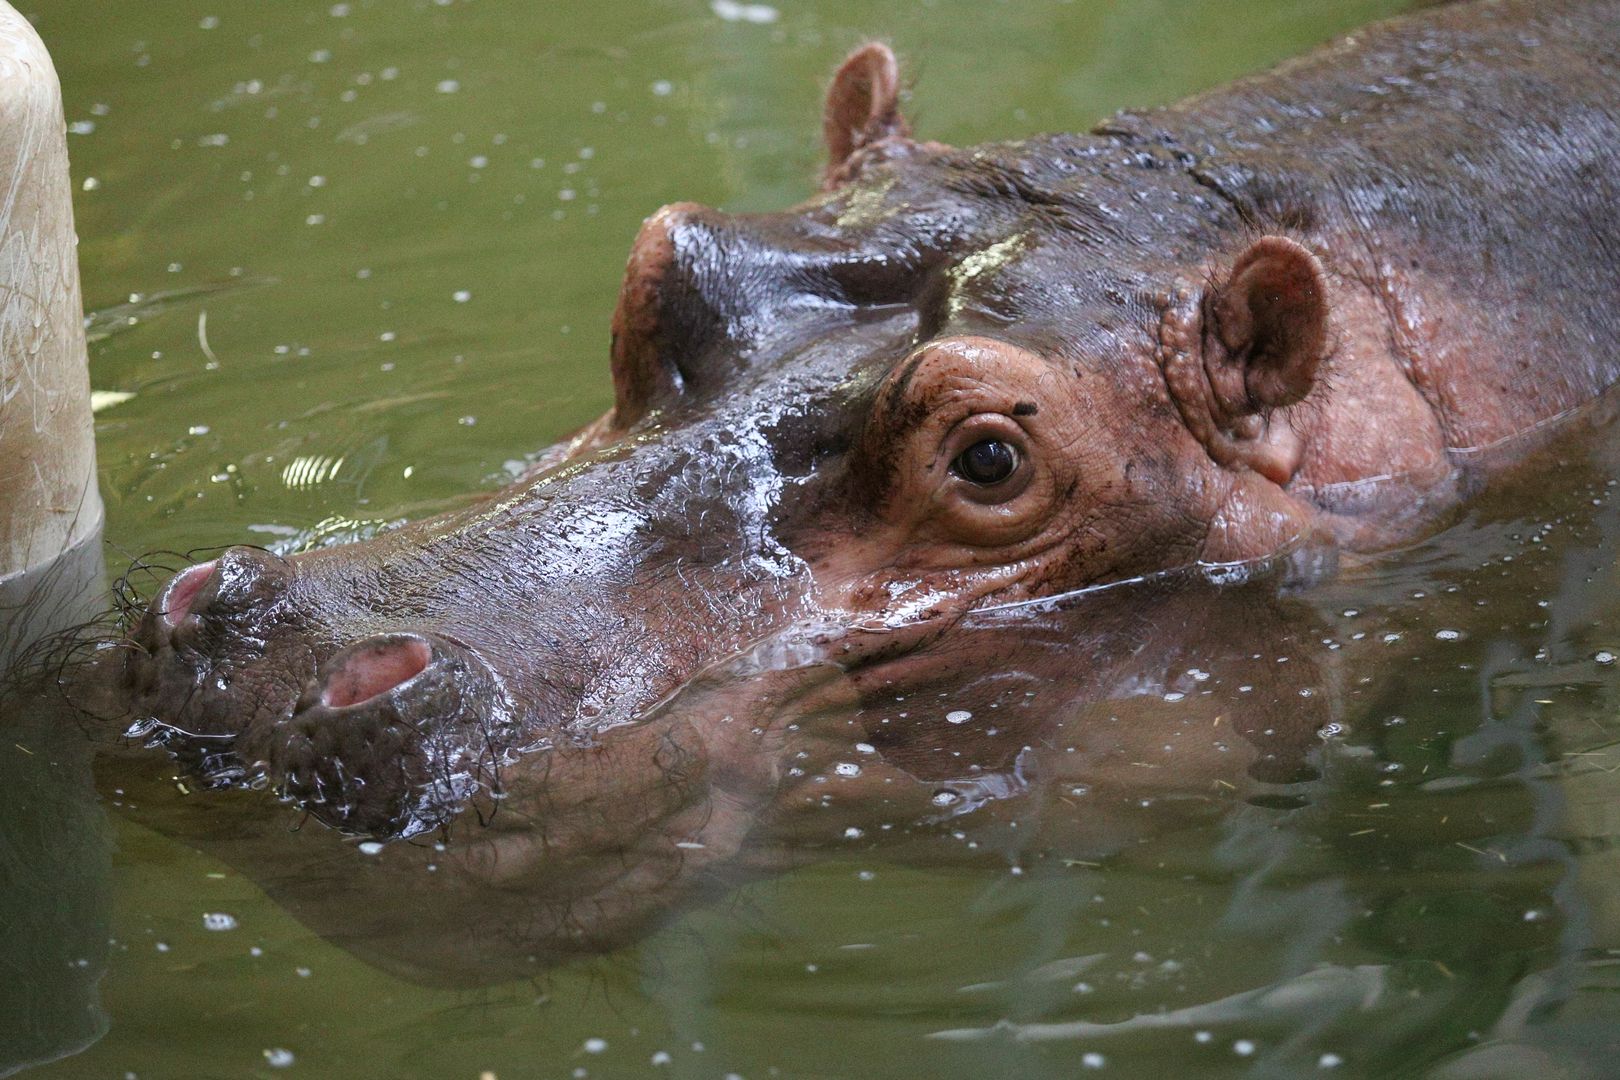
x,y
375,730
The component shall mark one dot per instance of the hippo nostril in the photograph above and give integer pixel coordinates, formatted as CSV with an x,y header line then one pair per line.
x,y
177,599
374,667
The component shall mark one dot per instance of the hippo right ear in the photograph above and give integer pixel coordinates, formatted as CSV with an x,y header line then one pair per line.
x,y
863,107
1255,344
1266,328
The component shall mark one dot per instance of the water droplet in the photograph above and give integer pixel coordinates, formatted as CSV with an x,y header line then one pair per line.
x,y
1243,1047
218,920
1093,1060
371,847
958,716
1604,656
595,1046
278,1058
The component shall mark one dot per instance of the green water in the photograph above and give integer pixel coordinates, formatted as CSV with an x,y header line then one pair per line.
x,y
352,261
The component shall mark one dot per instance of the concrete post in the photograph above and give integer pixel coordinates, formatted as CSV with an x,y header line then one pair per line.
x,y
50,509
54,859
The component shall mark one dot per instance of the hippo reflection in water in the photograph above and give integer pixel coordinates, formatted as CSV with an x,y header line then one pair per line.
x,y
797,578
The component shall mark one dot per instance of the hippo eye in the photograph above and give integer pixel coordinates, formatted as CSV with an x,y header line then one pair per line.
x,y
986,462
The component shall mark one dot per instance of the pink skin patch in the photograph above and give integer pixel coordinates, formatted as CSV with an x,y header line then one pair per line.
x,y
182,592
375,669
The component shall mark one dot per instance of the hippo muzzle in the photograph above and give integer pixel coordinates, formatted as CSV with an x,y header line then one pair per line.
x,y
386,735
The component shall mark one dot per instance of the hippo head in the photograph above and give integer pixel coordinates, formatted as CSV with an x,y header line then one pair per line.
x,y
954,379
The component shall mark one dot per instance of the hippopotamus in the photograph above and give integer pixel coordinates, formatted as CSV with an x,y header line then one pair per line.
x,y
1302,317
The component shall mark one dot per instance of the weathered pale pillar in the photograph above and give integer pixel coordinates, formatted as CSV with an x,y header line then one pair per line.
x,y
50,509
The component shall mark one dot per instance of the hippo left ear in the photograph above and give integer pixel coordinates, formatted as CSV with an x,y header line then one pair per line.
x,y
863,106
1266,328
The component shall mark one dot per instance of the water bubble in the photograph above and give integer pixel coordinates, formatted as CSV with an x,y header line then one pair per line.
x,y
1330,1061
1243,1047
1448,635
847,768
371,847
1203,1037
852,833
278,1058
1093,1060
1604,656
218,920
958,716
661,1057
594,1045
448,86
209,22
461,296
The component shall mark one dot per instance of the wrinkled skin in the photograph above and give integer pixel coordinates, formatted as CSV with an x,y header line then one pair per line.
x,y
1306,313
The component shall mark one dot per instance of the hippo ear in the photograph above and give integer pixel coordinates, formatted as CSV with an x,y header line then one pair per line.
x,y
863,106
1266,328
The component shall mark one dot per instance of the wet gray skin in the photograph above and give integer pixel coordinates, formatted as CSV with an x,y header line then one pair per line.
x,y
790,510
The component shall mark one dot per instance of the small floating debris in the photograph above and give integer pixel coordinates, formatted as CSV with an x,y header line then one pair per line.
x,y
732,11
106,399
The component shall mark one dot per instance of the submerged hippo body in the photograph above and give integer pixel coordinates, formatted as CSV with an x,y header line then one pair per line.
x,y
1308,312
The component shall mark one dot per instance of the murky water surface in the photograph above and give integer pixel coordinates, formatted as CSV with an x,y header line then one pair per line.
x,y
348,262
